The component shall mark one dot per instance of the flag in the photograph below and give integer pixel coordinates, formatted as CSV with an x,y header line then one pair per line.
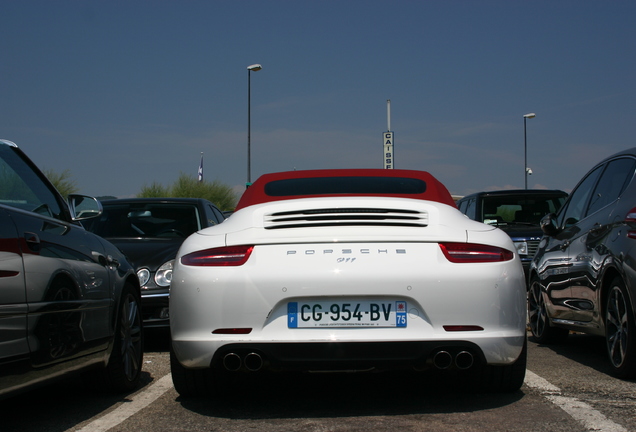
x,y
201,168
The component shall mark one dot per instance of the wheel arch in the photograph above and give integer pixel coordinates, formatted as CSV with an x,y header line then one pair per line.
x,y
609,274
61,278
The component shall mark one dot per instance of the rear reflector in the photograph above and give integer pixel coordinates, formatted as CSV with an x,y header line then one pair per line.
x,y
631,219
461,328
631,216
223,256
474,253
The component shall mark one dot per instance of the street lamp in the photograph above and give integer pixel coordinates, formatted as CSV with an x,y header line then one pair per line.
x,y
255,68
526,170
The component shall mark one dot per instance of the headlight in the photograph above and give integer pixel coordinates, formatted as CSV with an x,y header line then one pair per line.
x,y
522,248
163,277
144,275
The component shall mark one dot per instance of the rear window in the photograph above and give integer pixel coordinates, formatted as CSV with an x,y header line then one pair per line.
x,y
345,185
369,182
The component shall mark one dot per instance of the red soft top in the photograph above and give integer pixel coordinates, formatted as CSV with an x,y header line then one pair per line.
x,y
265,188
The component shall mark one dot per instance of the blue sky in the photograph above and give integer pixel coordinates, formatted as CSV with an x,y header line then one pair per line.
x,y
126,93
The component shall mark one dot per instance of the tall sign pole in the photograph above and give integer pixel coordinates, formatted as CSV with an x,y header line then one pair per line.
x,y
387,138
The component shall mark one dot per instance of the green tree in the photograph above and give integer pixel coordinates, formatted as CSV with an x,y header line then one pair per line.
x,y
188,187
62,181
155,190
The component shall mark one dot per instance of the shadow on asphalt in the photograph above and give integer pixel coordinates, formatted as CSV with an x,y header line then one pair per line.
x,y
288,395
584,349
156,340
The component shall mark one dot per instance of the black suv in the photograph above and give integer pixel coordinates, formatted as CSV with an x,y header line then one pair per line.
x,y
583,277
69,300
517,212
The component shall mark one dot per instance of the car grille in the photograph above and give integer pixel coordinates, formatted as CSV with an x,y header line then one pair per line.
x,y
346,217
533,245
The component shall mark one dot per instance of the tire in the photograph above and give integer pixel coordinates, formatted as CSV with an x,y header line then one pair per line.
x,y
123,371
504,379
542,330
620,331
191,382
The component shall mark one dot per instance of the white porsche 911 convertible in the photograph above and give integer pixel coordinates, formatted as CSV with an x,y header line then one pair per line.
x,y
347,270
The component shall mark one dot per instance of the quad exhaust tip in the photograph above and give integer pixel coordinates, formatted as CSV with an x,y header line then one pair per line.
x,y
444,360
232,362
252,362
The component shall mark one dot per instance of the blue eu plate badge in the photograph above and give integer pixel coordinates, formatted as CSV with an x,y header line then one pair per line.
x,y
292,315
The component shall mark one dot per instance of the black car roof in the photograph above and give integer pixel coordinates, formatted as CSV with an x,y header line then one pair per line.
x,y
505,192
155,200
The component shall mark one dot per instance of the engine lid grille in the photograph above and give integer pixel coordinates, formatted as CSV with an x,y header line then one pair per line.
x,y
346,217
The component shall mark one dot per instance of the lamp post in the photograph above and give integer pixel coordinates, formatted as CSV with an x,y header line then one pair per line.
x,y
526,170
255,68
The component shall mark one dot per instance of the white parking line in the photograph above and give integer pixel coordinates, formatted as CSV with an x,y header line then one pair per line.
x,y
591,419
138,402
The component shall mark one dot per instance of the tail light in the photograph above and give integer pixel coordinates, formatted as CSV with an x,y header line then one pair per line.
x,y
223,256
630,219
474,253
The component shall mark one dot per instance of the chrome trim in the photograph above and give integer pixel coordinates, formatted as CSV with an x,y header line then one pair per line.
x,y
155,295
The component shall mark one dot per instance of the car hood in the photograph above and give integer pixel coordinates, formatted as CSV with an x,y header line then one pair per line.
x,y
519,230
148,252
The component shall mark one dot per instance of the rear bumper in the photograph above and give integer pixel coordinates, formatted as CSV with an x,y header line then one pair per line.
x,y
347,356
338,356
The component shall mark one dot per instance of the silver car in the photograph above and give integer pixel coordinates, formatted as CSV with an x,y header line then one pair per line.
x,y
69,300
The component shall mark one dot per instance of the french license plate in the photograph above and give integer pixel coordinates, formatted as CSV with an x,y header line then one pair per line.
x,y
346,314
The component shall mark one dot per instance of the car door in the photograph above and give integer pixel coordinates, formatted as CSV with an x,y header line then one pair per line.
x,y
556,258
13,307
68,292
588,249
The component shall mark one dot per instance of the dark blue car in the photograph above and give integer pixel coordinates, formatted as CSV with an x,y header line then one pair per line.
x,y
149,231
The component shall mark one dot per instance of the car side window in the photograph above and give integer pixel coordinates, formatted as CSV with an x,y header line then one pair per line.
x,y
612,183
470,208
22,188
577,205
218,214
461,205
214,216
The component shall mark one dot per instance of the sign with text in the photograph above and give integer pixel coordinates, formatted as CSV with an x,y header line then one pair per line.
x,y
388,150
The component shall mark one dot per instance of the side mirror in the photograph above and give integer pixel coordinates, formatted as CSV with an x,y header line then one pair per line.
x,y
549,225
84,207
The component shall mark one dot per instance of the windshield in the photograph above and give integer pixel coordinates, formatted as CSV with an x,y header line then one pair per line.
x,y
21,187
146,220
526,209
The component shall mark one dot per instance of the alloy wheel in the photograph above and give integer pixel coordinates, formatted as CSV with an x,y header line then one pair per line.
x,y
131,336
617,327
536,310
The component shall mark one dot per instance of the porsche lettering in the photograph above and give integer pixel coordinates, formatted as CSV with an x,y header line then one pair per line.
x,y
346,251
